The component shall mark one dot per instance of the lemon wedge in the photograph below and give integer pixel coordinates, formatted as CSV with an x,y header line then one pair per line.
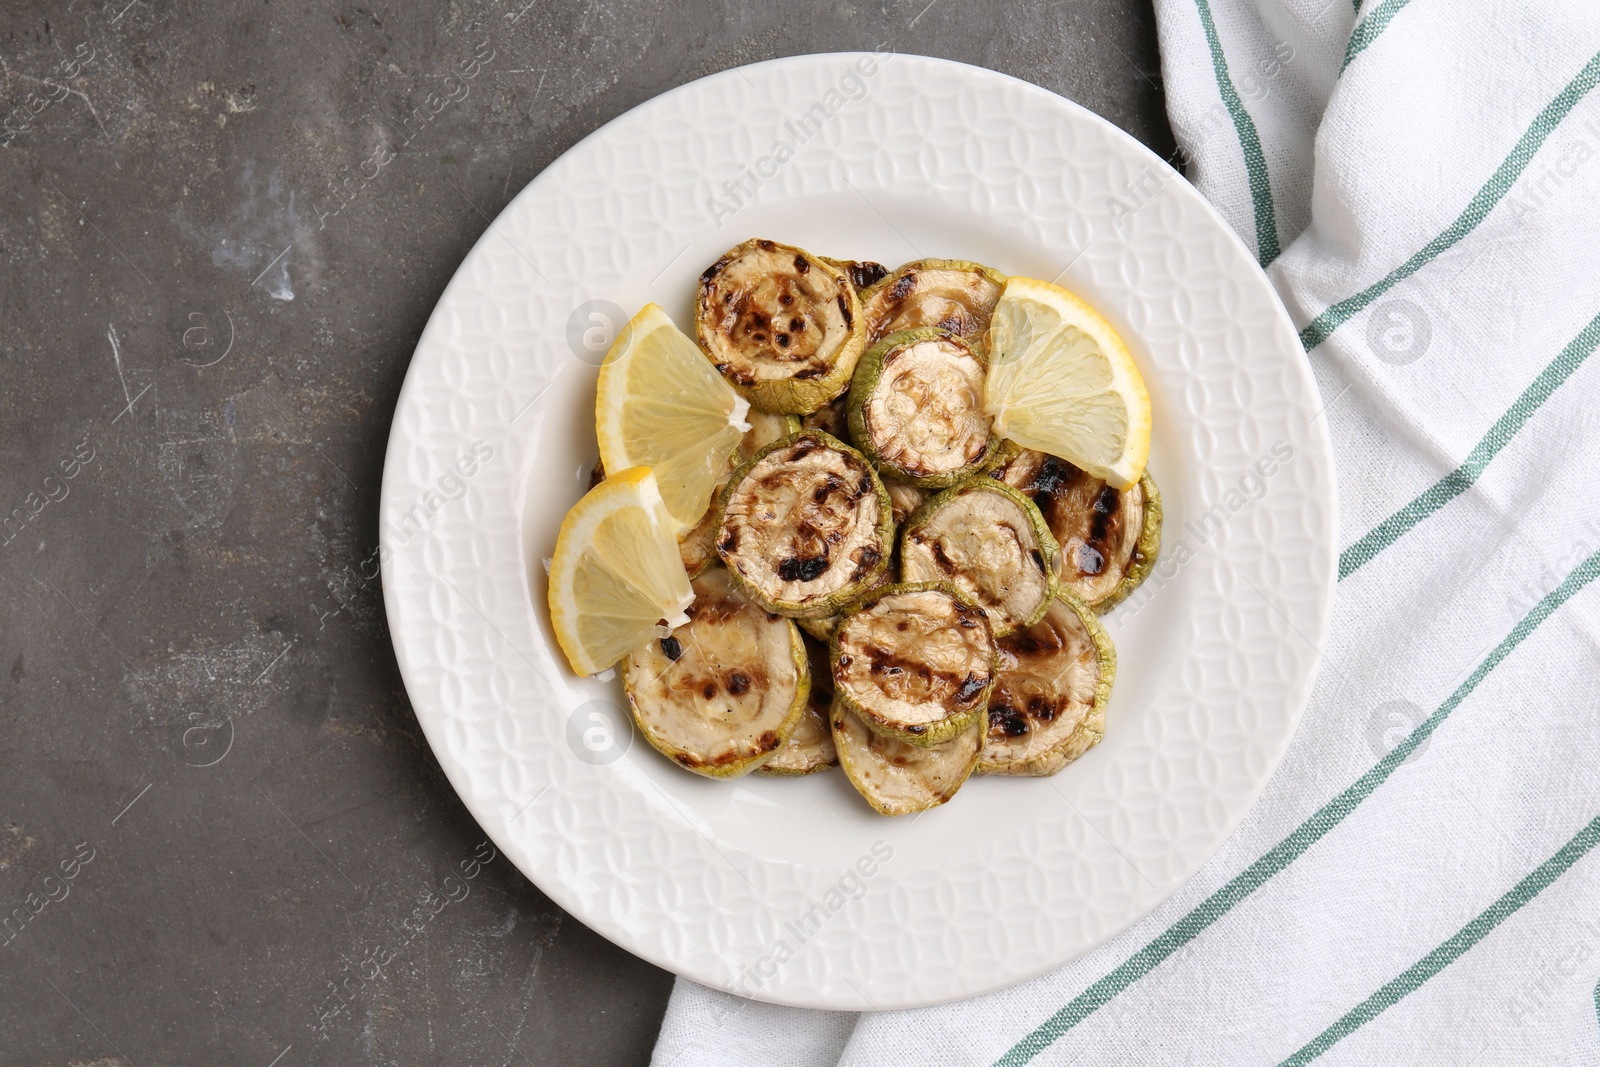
x,y
661,404
1061,381
616,580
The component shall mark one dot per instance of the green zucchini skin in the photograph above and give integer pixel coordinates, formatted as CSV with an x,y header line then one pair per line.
x,y
1145,553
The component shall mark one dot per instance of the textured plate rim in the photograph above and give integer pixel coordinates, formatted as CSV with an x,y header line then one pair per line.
x,y
394,496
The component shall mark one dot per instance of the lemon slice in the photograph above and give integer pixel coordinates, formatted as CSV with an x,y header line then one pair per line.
x,y
661,404
616,580
1061,381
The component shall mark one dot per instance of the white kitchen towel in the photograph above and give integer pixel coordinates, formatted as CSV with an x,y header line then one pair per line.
x,y
1419,882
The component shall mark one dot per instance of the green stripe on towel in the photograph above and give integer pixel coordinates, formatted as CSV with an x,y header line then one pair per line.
x,y
1463,477
1477,208
1452,950
1370,27
1255,163
1293,846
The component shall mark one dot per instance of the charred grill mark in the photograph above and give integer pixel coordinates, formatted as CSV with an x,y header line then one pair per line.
x,y
1106,505
769,741
844,310
783,340
867,273
970,688
968,617
729,544
1038,559
792,569
715,269
1007,720
801,266
738,683
941,687
765,246
1024,644
808,373
945,563
671,649
1048,479
885,663
867,557
736,755
803,448
785,299
902,289
773,481
709,690
831,485
1090,560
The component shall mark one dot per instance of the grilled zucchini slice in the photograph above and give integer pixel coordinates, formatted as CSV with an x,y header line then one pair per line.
x,y
990,542
810,748
782,326
726,689
915,662
896,778
949,293
805,525
1052,682
916,407
1109,538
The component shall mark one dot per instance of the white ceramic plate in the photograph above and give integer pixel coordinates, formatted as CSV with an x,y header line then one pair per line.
x,y
792,890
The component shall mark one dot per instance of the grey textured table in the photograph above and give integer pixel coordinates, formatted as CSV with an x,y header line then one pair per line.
x,y
223,839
